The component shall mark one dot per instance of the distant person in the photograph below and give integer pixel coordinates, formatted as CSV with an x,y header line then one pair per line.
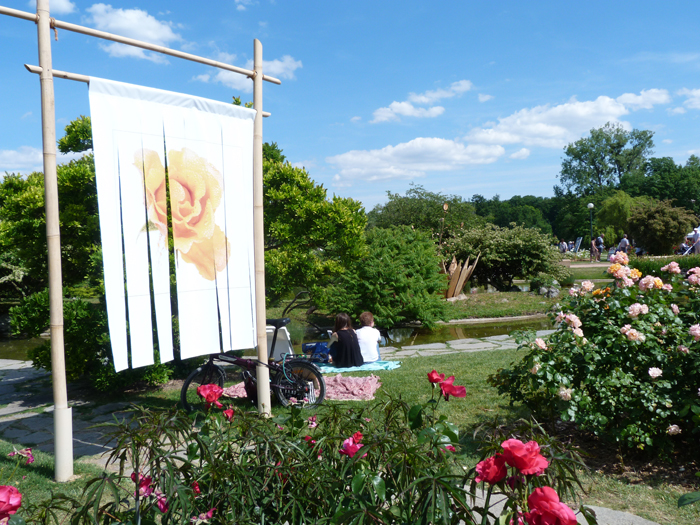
x,y
571,246
685,246
594,250
563,248
345,348
368,337
696,241
600,245
624,244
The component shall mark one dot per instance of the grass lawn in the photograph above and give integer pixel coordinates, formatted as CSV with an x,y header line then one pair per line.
x,y
587,272
499,304
652,498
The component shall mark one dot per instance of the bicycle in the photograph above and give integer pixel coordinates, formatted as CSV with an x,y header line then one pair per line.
x,y
293,380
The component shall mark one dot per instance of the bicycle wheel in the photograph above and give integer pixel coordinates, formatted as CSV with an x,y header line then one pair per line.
x,y
300,382
206,374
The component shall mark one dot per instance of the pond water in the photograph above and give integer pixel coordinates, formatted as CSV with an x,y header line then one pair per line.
x,y
11,348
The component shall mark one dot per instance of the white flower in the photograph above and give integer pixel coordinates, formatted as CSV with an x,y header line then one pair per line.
x,y
655,372
565,393
587,286
578,332
672,430
540,342
535,368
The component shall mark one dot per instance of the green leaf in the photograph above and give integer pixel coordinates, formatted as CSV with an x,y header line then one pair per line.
x,y
16,519
415,417
357,482
687,499
379,487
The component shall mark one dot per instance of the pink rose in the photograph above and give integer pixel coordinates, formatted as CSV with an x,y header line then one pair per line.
x,y
211,394
671,267
540,343
448,389
491,470
434,377
525,457
10,501
546,509
695,331
675,309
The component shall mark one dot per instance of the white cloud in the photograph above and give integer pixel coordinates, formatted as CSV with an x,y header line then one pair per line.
x,y
555,126
551,126
429,97
676,111
667,141
58,7
355,119
646,99
407,108
242,5
694,152
692,97
411,159
25,159
26,115
132,23
484,98
521,154
283,68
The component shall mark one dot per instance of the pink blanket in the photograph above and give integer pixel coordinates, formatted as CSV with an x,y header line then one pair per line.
x,y
337,387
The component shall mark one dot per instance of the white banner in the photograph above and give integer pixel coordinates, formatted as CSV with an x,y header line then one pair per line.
x,y
207,149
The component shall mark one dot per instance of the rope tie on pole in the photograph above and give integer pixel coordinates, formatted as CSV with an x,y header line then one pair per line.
x,y
52,25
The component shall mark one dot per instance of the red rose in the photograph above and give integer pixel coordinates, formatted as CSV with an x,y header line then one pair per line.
x,y
195,488
448,389
10,501
491,470
434,377
211,394
357,437
229,414
525,457
546,509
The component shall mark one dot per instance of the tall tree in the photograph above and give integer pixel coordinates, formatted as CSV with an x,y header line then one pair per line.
x,y
600,161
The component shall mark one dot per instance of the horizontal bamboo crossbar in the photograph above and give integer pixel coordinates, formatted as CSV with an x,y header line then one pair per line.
x,y
58,24
80,78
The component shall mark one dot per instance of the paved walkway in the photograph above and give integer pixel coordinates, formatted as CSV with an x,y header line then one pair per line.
x,y
26,417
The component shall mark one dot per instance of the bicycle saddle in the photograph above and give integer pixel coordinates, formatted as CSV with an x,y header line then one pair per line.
x,y
278,323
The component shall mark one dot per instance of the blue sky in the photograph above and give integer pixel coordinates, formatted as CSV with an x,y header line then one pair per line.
x,y
461,97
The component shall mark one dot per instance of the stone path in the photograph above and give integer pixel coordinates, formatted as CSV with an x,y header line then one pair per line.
x,y
26,418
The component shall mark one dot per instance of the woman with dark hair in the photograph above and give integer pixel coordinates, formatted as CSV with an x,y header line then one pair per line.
x,y
345,349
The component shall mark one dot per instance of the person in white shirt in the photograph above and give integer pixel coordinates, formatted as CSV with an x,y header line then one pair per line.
x,y
368,337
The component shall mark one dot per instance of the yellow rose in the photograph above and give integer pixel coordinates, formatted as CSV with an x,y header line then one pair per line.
x,y
195,194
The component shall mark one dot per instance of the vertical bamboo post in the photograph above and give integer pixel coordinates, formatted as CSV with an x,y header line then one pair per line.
x,y
263,373
62,422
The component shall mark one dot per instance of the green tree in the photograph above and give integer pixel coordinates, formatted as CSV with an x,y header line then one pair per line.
x,y
308,238
658,226
423,210
398,279
614,214
601,161
506,253
78,136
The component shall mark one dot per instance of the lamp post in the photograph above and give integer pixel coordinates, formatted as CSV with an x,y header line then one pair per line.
x,y
590,207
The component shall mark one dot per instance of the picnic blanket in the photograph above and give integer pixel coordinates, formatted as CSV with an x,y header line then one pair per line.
x,y
338,388
368,367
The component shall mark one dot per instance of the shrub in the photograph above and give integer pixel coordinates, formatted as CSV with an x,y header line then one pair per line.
x,y
652,266
88,353
624,363
397,281
658,226
506,253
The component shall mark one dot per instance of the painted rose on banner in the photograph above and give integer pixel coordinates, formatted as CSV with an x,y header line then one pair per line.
x,y
196,192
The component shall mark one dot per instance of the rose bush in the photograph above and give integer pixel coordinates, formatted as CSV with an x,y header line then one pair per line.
x,y
624,363
383,462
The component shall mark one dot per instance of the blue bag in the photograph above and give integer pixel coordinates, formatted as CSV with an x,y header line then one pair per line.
x,y
317,352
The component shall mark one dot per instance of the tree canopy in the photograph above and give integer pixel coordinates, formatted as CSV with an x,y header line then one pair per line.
x,y
601,160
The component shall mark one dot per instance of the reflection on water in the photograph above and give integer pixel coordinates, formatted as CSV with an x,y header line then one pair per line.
x,y
442,333
18,348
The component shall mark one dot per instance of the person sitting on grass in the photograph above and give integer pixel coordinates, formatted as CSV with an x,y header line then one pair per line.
x,y
345,349
368,337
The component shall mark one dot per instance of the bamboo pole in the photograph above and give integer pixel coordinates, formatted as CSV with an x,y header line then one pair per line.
x,y
79,78
63,424
58,24
263,373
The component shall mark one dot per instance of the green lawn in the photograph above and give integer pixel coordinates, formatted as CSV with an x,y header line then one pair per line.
x,y
499,304
587,272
